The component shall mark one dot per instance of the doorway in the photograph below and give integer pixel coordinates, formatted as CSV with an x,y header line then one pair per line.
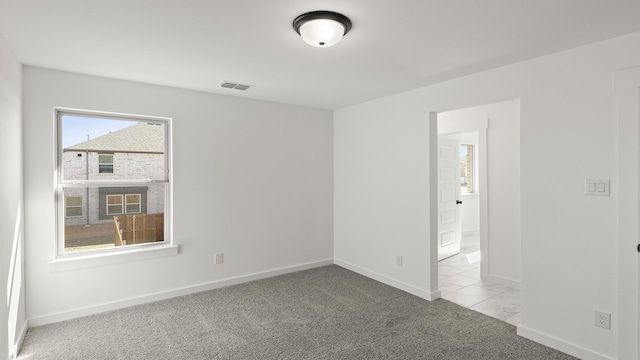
x,y
484,275
458,187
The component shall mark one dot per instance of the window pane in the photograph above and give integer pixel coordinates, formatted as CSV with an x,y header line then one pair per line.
x,y
114,209
105,169
95,231
105,159
73,206
466,168
133,208
112,149
74,201
114,199
73,211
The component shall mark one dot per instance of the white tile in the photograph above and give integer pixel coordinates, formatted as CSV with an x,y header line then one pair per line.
x,y
448,270
460,267
460,283
514,319
448,288
463,261
470,247
494,286
469,296
473,257
497,308
449,260
459,280
511,296
473,273
478,290
463,300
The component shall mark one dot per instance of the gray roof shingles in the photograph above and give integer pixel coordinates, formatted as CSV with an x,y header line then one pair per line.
x,y
139,138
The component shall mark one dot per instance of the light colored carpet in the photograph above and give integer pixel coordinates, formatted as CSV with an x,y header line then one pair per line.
x,y
323,313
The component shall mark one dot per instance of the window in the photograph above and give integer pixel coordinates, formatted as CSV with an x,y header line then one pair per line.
x,y
106,210
73,206
124,200
105,163
123,204
466,168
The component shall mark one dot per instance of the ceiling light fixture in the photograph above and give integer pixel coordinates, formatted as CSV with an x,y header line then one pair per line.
x,y
322,28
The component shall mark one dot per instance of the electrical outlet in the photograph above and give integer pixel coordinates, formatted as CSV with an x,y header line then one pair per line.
x,y
218,259
399,260
603,320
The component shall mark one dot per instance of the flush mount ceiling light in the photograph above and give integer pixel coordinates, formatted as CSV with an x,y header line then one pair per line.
x,y
322,28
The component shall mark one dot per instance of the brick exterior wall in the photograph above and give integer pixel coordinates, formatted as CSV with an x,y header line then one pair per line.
x,y
125,166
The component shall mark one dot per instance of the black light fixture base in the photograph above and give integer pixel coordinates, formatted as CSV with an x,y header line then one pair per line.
x,y
315,15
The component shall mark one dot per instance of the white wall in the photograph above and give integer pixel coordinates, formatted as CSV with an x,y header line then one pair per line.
x,y
568,133
11,193
252,180
503,178
381,203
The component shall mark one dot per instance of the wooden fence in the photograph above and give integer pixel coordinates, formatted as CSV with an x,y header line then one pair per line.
x,y
138,229
83,232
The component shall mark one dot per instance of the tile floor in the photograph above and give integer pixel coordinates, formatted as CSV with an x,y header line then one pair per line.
x,y
460,283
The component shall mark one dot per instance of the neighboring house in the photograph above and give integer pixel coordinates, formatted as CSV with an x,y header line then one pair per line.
x,y
124,154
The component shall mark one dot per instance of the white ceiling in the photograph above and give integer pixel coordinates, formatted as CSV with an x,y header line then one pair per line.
x,y
394,45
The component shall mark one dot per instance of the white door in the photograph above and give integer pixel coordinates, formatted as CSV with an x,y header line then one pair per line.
x,y
449,224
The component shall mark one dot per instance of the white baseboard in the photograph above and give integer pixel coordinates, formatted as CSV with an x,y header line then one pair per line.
x,y
560,344
504,281
90,310
389,281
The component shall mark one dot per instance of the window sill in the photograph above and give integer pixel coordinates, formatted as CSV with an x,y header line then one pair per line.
x,y
93,260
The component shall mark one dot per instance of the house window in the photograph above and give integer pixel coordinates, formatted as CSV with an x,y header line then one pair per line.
x,y
122,200
123,204
466,168
105,163
103,210
72,206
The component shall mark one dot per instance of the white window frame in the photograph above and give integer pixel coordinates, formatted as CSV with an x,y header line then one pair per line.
x,y
88,258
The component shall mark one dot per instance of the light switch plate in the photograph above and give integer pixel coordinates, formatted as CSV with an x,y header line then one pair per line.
x,y
597,187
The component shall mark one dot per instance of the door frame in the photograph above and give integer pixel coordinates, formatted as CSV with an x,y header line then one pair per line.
x,y
481,127
627,87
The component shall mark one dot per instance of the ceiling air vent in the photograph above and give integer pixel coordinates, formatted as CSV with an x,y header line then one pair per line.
x,y
233,85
